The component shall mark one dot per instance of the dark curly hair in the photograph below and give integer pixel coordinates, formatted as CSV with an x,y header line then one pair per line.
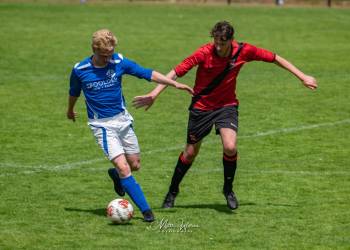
x,y
223,29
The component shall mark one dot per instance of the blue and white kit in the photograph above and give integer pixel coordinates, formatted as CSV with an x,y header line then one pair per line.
x,y
109,120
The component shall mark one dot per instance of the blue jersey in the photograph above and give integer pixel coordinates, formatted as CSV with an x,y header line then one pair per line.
x,y
102,86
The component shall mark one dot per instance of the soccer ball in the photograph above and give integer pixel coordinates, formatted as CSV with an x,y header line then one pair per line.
x,y
120,211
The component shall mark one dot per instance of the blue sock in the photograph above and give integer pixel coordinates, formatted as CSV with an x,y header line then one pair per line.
x,y
133,189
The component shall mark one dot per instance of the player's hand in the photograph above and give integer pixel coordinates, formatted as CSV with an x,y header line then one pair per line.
x,y
310,82
184,87
71,115
143,101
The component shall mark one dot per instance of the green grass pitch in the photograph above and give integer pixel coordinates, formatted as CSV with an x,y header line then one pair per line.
x,y
293,178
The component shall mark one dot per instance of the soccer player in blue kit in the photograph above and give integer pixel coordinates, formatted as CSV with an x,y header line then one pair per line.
x,y
100,77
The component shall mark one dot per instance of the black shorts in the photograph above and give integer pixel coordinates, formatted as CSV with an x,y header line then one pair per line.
x,y
201,122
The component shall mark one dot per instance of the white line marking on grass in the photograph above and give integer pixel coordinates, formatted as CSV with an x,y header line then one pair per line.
x,y
39,168
214,170
50,167
200,170
290,130
11,165
276,171
74,164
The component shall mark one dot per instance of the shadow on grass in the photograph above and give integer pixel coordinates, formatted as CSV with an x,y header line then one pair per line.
x,y
222,208
99,212
281,205
218,207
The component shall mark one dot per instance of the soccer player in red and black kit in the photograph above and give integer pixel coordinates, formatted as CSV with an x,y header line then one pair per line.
x,y
215,102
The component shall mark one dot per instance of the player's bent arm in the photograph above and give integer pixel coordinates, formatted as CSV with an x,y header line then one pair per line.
x,y
162,79
70,111
308,81
161,87
147,100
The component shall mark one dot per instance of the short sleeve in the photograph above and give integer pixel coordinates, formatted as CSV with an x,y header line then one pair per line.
x,y
253,53
75,84
188,63
132,68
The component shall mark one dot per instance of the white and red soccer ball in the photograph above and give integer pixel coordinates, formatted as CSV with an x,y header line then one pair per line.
x,y
120,211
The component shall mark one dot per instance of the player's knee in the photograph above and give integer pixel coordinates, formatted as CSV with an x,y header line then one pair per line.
x,y
134,162
123,166
230,149
124,170
135,165
189,155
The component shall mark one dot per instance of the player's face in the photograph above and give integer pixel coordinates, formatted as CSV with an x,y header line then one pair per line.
x,y
222,46
102,57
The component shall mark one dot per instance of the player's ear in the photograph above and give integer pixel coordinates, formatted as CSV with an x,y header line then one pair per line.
x,y
93,49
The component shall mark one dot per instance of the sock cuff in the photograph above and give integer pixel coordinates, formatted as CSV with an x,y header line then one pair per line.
x,y
230,158
127,180
184,160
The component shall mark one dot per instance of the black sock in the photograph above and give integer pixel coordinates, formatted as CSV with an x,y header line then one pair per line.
x,y
180,170
230,165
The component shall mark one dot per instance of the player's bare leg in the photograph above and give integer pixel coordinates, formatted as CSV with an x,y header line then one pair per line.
x,y
131,187
121,168
134,162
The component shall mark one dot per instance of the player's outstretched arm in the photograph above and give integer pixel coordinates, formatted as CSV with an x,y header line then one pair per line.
x,y
162,79
308,81
148,99
71,115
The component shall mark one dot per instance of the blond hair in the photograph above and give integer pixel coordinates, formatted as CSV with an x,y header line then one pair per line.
x,y
103,39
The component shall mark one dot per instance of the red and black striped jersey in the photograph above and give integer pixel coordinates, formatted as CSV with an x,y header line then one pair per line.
x,y
210,65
